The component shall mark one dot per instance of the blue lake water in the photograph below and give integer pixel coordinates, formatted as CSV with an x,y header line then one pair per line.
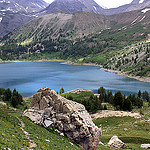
x,y
28,77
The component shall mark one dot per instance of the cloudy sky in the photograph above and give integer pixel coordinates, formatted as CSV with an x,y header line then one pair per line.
x,y
107,3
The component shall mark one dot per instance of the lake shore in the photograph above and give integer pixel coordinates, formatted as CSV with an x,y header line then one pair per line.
x,y
43,60
129,76
109,70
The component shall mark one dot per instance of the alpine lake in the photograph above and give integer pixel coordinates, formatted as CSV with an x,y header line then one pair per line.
x,y
28,77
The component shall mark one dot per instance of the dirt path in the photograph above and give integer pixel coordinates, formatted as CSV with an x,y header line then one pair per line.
x,y
27,135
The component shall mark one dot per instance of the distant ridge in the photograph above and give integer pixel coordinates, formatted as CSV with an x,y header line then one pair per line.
x,y
71,6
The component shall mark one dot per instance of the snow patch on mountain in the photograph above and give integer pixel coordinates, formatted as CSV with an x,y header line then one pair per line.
x,y
141,1
1,19
145,10
94,8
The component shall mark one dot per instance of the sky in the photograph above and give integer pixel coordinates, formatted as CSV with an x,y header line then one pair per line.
x,y
107,3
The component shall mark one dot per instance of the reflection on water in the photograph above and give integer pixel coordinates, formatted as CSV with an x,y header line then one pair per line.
x,y
28,77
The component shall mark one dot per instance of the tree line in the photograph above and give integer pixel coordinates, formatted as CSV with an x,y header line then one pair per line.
x,y
14,98
93,103
123,102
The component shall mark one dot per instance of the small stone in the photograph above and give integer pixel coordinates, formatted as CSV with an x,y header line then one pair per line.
x,y
146,146
71,143
48,123
101,143
47,140
62,134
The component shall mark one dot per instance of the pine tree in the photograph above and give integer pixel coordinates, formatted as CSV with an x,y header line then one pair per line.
x,y
118,100
139,94
103,95
61,90
7,95
127,105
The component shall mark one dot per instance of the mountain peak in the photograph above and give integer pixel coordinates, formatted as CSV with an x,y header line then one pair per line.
x,y
71,6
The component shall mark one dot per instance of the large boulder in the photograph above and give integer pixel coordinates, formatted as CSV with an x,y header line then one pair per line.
x,y
52,110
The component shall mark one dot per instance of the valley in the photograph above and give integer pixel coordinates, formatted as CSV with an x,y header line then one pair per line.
x,y
82,37
68,45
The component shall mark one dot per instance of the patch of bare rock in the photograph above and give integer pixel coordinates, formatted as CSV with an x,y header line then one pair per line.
x,y
78,91
2,103
111,113
71,118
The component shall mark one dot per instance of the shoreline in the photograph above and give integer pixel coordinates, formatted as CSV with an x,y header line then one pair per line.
x,y
43,60
84,64
147,80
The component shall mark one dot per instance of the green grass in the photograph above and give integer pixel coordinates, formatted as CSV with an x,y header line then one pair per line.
x,y
42,134
133,132
78,97
11,136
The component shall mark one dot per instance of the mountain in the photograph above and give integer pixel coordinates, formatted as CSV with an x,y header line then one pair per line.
x,y
134,5
70,6
77,35
14,13
26,6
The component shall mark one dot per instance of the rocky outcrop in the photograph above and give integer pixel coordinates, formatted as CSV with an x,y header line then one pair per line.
x,y
78,91
115,142
52,110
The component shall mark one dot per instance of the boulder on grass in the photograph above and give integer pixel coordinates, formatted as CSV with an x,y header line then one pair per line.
x,y
115,142
69,117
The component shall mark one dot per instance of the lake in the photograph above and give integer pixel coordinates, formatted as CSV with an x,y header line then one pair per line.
x,y
28,77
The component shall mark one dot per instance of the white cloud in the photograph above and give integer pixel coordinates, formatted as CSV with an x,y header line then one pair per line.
x,y
107,3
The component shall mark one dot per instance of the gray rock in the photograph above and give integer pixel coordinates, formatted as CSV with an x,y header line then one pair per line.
x,y
67,116
48,123
115,142
146,146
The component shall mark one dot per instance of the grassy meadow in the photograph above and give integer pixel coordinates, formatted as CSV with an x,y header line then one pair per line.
x,y
133,132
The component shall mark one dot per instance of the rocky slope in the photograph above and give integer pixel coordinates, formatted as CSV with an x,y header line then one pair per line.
x,y
133,61
78,24
15,13
51,110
